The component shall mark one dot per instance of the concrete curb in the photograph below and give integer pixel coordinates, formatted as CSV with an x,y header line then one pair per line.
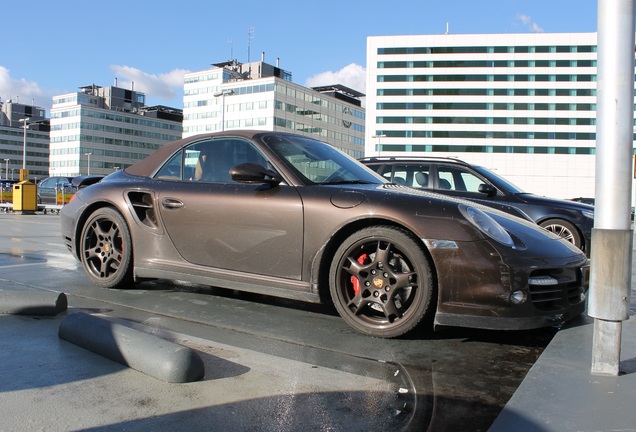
x,y
40,303
146,353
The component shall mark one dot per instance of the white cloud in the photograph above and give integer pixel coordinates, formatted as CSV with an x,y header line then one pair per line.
x,y
353,76
166,87
526,20
22,90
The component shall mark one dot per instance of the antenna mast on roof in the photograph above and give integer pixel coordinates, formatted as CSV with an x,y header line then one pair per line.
x,y
229,41
250,36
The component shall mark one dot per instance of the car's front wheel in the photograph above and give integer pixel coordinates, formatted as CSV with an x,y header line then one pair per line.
x,y
106,249
563,229
380,282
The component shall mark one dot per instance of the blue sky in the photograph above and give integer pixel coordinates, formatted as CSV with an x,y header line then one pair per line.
x,y
54,47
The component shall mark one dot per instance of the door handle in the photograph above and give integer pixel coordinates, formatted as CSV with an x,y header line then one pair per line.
x,y
171,203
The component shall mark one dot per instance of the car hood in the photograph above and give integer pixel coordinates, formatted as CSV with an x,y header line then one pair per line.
x,y
536,199
532,238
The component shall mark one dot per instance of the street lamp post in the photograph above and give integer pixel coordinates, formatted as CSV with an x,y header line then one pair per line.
x,y
222,94
379,137
88,157
25,125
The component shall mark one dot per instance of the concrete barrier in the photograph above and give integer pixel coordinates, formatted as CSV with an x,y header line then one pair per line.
x,y
146,353
40,303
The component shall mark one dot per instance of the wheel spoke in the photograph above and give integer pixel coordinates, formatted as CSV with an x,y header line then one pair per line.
x,y
98,230
562,232
359,304
92,253
404,280
354,267
111,263
390,309
113,233
382,255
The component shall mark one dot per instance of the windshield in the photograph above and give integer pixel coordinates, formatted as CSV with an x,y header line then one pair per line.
x,y
499,181
316,162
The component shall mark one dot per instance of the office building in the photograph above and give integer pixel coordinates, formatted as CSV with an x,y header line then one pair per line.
x,y
98,130
14,141
521,104
257,95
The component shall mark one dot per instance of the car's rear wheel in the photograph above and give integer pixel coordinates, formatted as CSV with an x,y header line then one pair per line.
x,y
563,229
106,249
380,282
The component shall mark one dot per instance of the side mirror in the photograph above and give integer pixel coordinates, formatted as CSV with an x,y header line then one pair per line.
x,y
254,173
487,189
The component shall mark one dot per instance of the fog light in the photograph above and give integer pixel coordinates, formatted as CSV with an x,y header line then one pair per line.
x,y
517,297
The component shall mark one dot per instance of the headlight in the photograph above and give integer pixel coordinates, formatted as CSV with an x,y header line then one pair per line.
x,y
486,224
588,214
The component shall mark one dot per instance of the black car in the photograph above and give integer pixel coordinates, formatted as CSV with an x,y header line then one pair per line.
x,y
288,215
453,177
591,201
50,188
583,200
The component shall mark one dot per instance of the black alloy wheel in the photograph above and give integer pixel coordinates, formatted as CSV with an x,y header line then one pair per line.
x,y
106,249
380,282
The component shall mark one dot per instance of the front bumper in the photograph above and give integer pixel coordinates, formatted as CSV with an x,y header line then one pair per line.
x,y
480,287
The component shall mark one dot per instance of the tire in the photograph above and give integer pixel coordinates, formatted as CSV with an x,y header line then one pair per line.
x,y
106,249
563,229
380,282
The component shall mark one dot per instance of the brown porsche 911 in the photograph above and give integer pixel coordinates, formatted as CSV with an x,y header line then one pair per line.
x,y
291,216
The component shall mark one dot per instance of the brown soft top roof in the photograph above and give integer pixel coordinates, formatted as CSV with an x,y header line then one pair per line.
x,y
152,162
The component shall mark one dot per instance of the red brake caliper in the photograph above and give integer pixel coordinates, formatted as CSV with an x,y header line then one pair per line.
x,y
354,280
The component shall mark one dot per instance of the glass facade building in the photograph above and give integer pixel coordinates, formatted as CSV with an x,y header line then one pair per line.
x,y
260,96
12,141
522,104
110,128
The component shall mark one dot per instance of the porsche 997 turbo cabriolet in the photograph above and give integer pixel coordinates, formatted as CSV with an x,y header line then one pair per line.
x,y
291,216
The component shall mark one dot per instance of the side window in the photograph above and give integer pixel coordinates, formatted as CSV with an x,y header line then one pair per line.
x,y
212,160
471,181
171,170
446,178
458,179
412,175
400,174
